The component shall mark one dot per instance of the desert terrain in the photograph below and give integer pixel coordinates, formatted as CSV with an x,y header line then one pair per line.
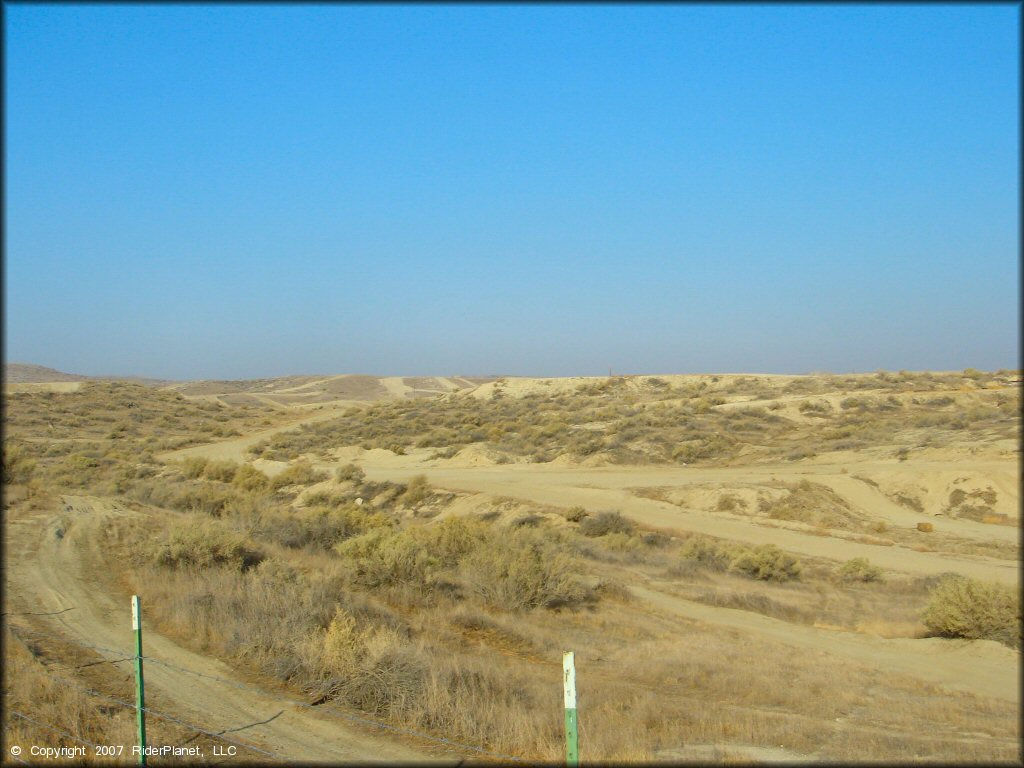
x,y
766,568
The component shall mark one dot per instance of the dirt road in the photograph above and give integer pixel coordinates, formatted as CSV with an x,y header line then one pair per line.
x,y
608,488
612,487
52,572
982,667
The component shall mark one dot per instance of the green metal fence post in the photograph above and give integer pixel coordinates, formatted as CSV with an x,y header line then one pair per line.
x,y
140,702
572,746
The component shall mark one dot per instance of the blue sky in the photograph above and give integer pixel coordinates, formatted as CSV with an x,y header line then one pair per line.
x,y
203,191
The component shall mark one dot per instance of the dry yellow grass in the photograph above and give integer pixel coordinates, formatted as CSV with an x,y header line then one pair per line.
x,y
348,593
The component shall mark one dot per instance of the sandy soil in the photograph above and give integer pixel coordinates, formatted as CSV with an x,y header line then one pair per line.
x,y
600,488
982,667
609,487
47,386
51,573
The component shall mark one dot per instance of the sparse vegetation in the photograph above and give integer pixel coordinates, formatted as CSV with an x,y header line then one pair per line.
x,y
859,569
604,523
380,597
962,607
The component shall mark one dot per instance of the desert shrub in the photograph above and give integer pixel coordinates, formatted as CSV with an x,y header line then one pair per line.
x,y
223,471
523,571
728,502
373,668
814,406
859,569
962,607
300,473
707,552
766,562
416,492
575,514
18,465
80,469
194,466
529,520
202,544
707,447
655,539
207,498
248,478
413,556
604,523
349,473
318,527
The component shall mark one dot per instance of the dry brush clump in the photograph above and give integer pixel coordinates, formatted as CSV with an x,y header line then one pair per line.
x,y
859,569
765,562
512,569
200,543
645,424
31,690
963,607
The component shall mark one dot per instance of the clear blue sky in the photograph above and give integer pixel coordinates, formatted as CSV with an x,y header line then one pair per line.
x,y
204,191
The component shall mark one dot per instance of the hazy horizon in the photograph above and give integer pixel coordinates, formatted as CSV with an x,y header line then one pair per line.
x,y
238,192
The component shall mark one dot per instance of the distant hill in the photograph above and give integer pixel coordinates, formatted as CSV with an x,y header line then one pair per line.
x,y
27,373
281,391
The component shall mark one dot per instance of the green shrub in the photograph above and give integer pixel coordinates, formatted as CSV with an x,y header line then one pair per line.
x,y
859,569
962,607
604,523
766,562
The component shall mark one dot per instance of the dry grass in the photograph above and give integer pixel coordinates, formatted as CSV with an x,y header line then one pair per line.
x,y
456,626
629,420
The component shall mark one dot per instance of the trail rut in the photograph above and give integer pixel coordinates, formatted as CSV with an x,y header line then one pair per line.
x,y
52,572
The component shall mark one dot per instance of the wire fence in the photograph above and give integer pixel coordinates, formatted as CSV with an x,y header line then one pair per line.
x,y
72,736
330,707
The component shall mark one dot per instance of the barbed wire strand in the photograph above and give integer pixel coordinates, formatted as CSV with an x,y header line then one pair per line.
x,y
164,716
355,718
54,728
332,708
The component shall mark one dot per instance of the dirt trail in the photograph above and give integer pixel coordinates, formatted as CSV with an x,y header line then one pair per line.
x,y
611,488
601,488
235,448
53,572
982,667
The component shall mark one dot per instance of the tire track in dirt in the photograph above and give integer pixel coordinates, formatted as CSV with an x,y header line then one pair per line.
x,y
52,572
593,489
981,667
